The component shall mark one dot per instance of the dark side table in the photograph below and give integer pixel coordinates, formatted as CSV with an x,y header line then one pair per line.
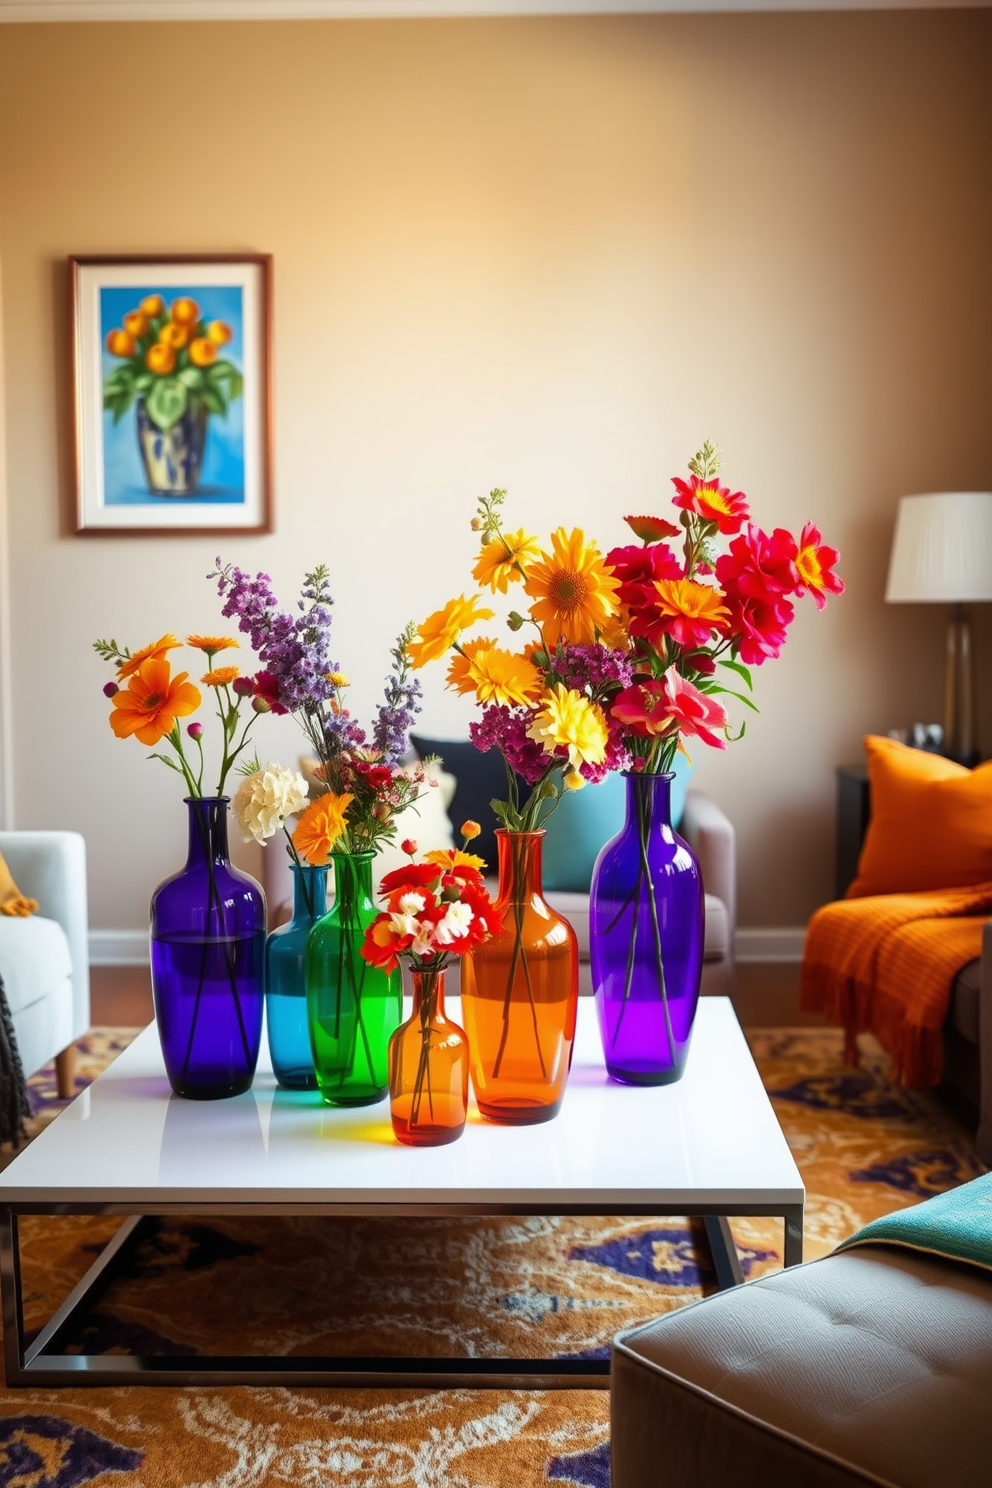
x,y
853,815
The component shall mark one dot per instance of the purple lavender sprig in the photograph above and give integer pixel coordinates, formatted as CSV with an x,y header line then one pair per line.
x,y
402,703
295,650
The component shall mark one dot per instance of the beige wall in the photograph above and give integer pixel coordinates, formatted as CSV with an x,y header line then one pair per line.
x,y
548,254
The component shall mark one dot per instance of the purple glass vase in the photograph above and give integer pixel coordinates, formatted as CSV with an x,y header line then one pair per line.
x,y
646,939
208,957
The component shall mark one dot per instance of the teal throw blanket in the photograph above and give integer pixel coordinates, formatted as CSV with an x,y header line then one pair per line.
x,y
957,1225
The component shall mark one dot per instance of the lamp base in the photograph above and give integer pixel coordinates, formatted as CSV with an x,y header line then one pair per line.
x,y
959,691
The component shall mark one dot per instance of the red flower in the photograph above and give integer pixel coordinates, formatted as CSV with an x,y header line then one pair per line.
x,y
712,502
643,709
695,713
638,568
378,778
814,564
650,529
410,876
267,688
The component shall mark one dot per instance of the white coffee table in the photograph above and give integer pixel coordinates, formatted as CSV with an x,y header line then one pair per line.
x,y
709,1145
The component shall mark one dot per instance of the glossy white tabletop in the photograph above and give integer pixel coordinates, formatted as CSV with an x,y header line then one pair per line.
x,y
711,1138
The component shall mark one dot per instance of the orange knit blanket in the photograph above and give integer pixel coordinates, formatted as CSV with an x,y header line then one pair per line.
x,y
886,964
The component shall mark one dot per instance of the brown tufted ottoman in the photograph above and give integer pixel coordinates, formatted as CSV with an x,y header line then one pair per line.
x,y
872,1366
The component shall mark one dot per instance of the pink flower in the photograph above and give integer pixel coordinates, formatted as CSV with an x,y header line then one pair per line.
x,y
694,712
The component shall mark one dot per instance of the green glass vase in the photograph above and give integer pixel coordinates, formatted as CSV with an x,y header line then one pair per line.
x,y
353,1009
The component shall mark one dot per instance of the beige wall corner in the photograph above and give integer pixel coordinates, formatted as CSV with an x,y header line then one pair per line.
x,y
552,254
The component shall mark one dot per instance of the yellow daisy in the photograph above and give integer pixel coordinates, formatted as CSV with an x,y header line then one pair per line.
x,y
574,590
441,630
568,719
503,560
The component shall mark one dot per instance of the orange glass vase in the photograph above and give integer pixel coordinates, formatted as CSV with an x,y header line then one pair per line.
x,y
428,1070
520,995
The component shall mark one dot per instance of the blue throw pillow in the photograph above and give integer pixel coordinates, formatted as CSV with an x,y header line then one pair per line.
x,y
479,778
586,819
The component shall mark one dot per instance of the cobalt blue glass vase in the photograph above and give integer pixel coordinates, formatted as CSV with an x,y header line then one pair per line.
x,y
208,953
646,939
286,981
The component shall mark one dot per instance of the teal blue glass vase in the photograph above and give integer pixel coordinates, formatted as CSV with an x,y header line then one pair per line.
x,y
286,981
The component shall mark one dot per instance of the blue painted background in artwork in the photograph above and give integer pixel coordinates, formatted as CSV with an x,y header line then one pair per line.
x,y
222,479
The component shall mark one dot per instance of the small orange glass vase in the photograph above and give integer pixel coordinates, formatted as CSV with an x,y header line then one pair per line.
x,y
428,1069
520,995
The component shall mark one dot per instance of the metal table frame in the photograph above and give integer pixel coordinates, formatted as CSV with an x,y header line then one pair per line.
x,y
40,1363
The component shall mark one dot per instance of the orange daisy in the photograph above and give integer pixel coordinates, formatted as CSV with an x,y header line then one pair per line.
x,y
152,701
210,644
220,676
320,826
494,675
155,652
573,588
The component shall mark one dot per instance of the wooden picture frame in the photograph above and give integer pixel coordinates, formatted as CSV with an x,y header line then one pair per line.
x,y
172,393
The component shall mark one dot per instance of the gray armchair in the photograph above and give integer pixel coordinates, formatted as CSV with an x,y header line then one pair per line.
x,y
44,960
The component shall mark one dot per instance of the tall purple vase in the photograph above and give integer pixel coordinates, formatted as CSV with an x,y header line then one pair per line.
x,y
208,957
646,939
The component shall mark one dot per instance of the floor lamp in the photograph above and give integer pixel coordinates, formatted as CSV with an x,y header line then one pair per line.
x,y
942,554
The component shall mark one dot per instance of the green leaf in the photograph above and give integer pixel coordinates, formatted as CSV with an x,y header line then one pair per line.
x,y
121,377
118,402
167,402
191,377
729,692
144,382
742,672
226,372
213,400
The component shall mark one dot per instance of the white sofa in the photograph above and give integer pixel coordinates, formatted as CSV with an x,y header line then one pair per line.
x,y
44,959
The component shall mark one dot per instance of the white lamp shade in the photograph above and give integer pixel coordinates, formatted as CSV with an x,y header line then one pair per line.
x,y
942,549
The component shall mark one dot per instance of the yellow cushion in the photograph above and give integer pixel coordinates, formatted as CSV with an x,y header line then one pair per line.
x,y
931,823
12,901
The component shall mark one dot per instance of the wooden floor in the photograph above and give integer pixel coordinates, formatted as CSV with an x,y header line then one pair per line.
x,y
767,996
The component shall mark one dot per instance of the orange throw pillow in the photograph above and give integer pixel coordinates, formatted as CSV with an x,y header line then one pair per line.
x,y
931,823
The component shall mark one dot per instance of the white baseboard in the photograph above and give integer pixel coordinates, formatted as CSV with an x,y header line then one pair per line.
x,y
770,945
118,947
130,947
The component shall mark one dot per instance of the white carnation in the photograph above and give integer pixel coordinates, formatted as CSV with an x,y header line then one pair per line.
x,y
265,798
455,924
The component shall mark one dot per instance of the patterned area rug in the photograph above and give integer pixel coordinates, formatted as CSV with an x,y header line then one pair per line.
x,y
535,1287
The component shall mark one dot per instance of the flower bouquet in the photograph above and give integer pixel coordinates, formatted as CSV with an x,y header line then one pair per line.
x,y
542,707
693,619
352,1007
208,921
170,368
435,909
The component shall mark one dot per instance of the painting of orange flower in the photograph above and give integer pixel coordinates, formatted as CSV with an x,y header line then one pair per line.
x,y
172,393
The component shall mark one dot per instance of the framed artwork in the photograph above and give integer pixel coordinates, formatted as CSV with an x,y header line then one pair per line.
x,y
172,393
